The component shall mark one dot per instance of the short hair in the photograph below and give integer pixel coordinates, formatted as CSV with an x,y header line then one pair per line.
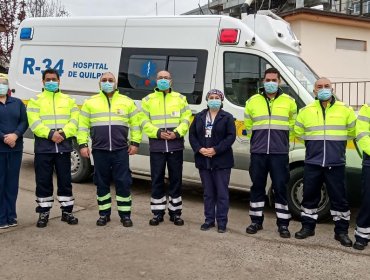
x,y
273,71
50,71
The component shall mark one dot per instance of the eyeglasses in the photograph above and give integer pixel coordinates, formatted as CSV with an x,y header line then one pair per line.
x,y
51,80
104,80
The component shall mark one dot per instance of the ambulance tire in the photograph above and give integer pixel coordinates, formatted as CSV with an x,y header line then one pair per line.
x,y
295,196
81,168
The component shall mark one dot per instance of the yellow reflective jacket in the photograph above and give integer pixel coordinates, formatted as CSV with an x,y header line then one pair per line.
x,y
363,132
165,111
108,122
270,122
325,132
50,112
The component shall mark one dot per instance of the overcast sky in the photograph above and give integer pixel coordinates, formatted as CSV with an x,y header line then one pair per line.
x,y
129,7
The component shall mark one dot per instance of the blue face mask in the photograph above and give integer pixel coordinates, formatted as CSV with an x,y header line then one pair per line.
x,y
3,89
163,84
214,103
107,87
51,86
324,94
271,87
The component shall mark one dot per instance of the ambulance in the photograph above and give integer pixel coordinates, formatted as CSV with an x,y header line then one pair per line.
x,y
201,52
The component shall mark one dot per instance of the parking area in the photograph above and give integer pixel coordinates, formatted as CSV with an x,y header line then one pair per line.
x,y
85,251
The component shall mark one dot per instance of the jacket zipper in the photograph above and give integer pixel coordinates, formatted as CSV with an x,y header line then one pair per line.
x,y
55,121
165,118
269,129
109,126
324,157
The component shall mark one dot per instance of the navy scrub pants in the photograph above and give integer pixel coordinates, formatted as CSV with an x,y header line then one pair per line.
x,y
362,232
216,195
10,164
113,165
278,167
44,169
334,179
174,162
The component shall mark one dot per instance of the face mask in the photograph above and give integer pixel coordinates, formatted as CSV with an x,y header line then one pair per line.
x,y
163,84
324,94
51,86
271,87
214,103
107,87
3,89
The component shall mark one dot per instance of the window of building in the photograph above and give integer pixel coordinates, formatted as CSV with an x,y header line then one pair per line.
x,y
139,67
349,44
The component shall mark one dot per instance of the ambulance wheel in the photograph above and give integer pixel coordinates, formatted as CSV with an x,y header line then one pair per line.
x,y
81,169
295,196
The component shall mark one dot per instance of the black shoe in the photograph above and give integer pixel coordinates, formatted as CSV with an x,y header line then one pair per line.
x,y
126,222
253,228
43,220
359,245
284,232
304,233
343,239
156,220
103,220
207,226
221,229
177,220
69,218
13,223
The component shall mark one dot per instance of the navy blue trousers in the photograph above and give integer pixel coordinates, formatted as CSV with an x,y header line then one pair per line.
x,y
174,162
362,232
113,165
334,178
44,169
278,167
216,195
10,164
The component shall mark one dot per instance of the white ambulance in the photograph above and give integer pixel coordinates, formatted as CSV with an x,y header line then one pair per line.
x,y
201,52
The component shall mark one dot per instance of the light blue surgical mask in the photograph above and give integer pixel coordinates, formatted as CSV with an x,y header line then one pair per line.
x,y
107,87
51,86
3,89
163,84
324,94
271,87
214,104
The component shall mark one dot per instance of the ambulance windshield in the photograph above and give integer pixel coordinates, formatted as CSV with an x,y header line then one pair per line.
x,y
300,70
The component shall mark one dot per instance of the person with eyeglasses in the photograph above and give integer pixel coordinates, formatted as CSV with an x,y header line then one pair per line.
x,y
211,136
166,122
13,124
112,120
53,119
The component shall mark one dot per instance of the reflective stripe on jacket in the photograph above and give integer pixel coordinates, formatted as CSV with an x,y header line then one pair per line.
x,y
325,132
50,112
363,132
165,111
269,122
108,122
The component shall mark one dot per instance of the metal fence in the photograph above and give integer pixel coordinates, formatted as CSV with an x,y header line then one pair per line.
x,y
353,93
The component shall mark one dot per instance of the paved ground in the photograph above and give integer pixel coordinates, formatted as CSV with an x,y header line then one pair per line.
x,y
85,251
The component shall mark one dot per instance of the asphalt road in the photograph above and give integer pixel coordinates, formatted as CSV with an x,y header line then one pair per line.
x,y
86,251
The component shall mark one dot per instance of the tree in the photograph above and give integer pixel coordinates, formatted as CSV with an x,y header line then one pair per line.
x,y
13,12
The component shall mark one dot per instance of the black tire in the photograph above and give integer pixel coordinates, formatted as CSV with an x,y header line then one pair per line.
x,y
295,196
81,168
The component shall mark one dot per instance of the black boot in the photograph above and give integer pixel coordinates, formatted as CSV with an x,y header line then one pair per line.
x,y
43,220
344,240
304,233
69,218
103,220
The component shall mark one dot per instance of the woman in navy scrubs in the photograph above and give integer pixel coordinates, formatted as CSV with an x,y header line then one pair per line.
x,y
211,136
13,124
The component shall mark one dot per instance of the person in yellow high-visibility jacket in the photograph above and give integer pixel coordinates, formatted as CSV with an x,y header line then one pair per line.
x,y
325,125
269,120
109,117
53,119
167,120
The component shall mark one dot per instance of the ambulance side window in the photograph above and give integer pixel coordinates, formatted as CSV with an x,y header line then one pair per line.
x,y
243,75
139,67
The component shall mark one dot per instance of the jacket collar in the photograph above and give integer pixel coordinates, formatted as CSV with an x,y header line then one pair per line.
x,y
159,91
